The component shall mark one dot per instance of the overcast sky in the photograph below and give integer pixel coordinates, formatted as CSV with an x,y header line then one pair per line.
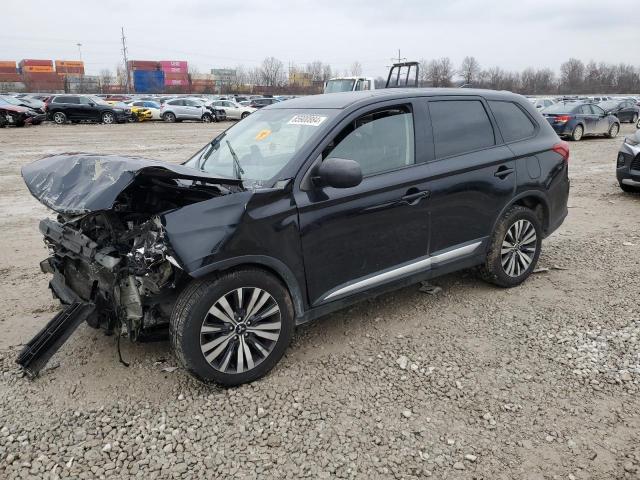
x,y
217,34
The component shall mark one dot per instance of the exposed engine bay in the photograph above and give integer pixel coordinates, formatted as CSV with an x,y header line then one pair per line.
x,y
108,246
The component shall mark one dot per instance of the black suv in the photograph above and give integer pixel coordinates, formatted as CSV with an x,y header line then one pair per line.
x,y
75,108
301,209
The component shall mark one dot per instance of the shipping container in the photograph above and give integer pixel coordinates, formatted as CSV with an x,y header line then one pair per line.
x,y
8,63
148,81
69,63
10,77
8,70
36,63
69,69
173,64
143,65
36,69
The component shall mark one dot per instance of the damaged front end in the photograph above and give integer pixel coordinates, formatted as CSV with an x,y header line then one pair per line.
x,y
110,257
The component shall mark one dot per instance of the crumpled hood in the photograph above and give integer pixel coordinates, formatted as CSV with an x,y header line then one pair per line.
x,y
78,183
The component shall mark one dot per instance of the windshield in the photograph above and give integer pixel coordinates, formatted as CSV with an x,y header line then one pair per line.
x,y
337,85
98,100
261,145
608,105
560,108
11,100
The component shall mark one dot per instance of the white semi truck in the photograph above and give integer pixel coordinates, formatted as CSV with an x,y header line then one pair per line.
x,y
349,84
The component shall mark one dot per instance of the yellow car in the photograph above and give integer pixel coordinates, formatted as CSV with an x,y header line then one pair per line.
x,y
138,114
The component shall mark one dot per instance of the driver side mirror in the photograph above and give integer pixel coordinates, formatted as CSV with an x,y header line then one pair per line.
x,y
338,173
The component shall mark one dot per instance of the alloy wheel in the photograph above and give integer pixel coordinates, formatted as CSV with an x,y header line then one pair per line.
x,y
613,131
107,118
518,248
58,118
240,330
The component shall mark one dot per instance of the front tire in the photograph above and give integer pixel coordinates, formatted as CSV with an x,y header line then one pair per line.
x,y
634,119
206,118
233,328
578,133
613,131
514,249
629,188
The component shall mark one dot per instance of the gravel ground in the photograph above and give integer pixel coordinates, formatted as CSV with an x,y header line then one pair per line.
x,y
474,382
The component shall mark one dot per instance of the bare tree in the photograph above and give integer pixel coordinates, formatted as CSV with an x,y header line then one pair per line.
x,y
326,72
241,77
423,72
106,77
272,72
356,69
440,72
572,75
469,69
254,76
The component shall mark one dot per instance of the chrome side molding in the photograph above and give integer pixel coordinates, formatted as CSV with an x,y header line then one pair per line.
x,y
417,265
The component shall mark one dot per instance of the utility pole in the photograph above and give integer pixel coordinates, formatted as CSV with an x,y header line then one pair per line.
x,y
400,59
79,50
124,56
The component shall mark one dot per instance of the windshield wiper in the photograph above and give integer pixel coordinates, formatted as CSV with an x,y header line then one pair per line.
x,y
237,168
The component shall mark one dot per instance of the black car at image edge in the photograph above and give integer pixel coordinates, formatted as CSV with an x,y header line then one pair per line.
x,y
302,208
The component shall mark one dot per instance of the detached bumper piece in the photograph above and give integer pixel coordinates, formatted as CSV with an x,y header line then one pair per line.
x,y
35,355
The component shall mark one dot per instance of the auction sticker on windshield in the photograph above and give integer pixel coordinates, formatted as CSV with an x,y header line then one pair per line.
x,y
307,119
262,134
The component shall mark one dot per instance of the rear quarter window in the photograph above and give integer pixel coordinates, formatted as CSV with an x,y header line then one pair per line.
x,y
513,123
460,126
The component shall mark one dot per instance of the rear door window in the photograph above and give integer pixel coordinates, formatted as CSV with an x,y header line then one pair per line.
x,y
513,123
585,110
460,126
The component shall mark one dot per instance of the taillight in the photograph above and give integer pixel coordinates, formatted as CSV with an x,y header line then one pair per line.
x,y
563,118
562,149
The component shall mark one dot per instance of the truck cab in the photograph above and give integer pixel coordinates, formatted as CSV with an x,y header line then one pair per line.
x,y
349,84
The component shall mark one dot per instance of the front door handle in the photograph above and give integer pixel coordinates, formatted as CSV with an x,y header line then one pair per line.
x,y
414,198
503,172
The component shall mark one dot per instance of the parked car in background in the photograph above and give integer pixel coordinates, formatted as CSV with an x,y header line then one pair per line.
x,y
628,164
576,120
78,108
263,102
626,110
541,102
233,110
19,117
219,113
29,102
16,115
152,106
303,208
179,109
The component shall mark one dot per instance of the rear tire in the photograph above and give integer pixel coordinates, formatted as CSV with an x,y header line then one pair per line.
x,y
108,118
244,115
213,355
578,133
634,119
613,130
514,249
59,118
169,117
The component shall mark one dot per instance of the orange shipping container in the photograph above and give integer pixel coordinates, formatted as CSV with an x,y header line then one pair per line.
x,y
8,63
8,69
70,63
10,77
36,63
37,68
74,70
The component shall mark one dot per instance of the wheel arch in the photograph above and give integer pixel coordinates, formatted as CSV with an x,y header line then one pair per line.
x,y
533,200
269,264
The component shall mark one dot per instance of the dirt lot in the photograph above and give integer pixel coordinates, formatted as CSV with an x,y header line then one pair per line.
x,y
538,382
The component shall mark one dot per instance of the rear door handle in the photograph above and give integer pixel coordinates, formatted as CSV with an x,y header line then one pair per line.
x,y
503,172
414,198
